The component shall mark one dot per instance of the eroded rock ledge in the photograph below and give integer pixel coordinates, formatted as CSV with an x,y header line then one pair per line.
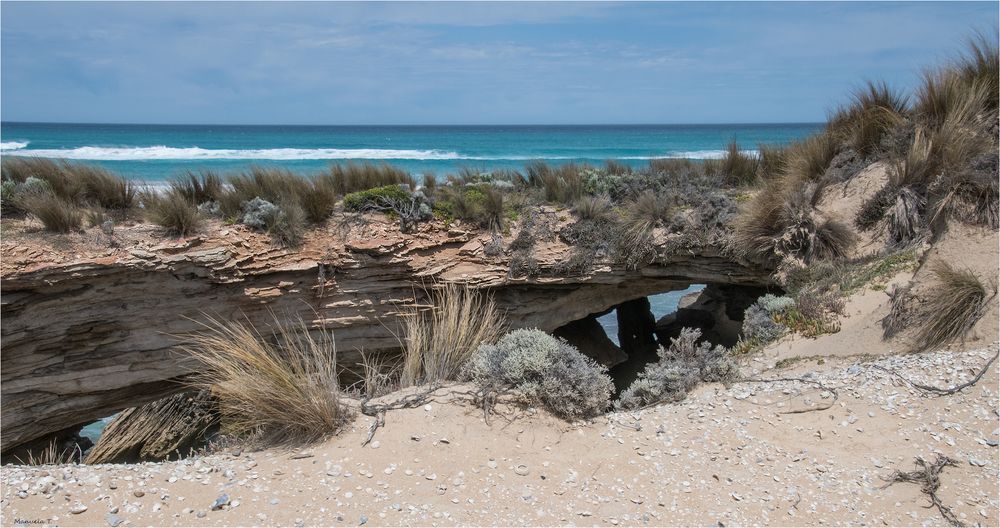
x,y
87,335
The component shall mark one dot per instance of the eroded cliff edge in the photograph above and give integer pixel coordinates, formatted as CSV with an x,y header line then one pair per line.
x,y
91,329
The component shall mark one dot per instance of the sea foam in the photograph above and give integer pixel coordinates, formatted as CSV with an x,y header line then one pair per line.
x,y
13,145
197,153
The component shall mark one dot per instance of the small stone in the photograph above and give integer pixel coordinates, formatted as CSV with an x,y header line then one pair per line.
x,y
521,469
220,502
415,438
201,515
138,493
376,444
992,442
77,509
113,520
298,456
428,407
363,520
432,476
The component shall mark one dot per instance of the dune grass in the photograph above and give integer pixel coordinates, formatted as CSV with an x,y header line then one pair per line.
x,y
954,303
354,177
281,385
172,211
439,340
873,112
56,214
198,187
739,167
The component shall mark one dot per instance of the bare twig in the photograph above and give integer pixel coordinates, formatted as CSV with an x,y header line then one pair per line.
x,y
938,390
801,380
928,476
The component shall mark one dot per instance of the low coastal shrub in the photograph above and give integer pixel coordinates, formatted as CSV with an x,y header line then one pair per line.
x,y
543,370
760,321
955,302
173,211
377,198
680,367
439,339
280,386
285,224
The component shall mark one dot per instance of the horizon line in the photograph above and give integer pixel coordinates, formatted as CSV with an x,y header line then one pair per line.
x,y
747,123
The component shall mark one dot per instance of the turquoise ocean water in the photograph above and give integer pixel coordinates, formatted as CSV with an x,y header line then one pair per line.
x,y
157,152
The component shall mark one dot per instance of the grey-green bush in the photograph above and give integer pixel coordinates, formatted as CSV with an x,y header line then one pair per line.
x,y
680,367
759,326
543,370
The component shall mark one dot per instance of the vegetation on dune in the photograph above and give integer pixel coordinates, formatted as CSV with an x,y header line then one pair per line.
x,y
173,211
955,302
280,386
438,340
542,370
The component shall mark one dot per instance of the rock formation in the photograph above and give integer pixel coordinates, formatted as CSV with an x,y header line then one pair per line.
x,y
88,333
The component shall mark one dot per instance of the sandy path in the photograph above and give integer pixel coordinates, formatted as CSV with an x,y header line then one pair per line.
x,y
723,455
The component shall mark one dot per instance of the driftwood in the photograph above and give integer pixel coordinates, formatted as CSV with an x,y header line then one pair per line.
x,y
161,430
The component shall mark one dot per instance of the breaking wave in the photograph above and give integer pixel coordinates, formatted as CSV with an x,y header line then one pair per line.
x,y
13,145
197,153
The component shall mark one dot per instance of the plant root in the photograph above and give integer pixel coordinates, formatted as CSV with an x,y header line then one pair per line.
x,y
938,391
927,475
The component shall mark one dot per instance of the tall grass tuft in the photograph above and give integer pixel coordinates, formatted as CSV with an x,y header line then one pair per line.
x,y
563,184
172,211
100,187
440,339
198,187
354,177
739,167
956,301
773,160
56,214
281,385
875,110
810,158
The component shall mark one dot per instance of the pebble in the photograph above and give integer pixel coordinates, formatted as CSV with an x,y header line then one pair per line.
x,y
376,444
77,509
138,493
428,407
432,476
113,520
363,520
521,469
220,502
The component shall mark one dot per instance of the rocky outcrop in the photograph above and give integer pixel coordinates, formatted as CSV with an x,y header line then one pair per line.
x,y
165,429
86,335
589,337
717,311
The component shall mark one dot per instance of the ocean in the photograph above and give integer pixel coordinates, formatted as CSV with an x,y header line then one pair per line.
x,y
155,153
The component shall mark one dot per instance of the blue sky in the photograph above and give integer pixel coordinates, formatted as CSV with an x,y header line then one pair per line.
x,y
461,63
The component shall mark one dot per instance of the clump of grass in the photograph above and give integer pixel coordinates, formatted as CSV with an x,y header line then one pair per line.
x,y
375,198
563,184
440,339
773,160
809,159
875,110
56,214
281,385
198,187
594,208
317,204
285,223
102,188
354,177
955,302
172,211
739,167
616,168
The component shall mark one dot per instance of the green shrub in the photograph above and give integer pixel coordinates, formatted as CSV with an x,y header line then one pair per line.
x,y
760,325
679,369
285,224
543,370
376,198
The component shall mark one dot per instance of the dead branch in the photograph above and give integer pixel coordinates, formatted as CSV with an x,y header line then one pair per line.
x,y
836,396
938,390
928,476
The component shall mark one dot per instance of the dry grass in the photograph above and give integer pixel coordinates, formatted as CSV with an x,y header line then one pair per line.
x,y
594,208
874,111
440,339
562,184
773,161
51,455
955,302
809,159
198,187
354,177
282,386
100,187
739,167
172,211
56,214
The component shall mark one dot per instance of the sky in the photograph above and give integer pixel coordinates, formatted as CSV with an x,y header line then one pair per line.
x,y
463,63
